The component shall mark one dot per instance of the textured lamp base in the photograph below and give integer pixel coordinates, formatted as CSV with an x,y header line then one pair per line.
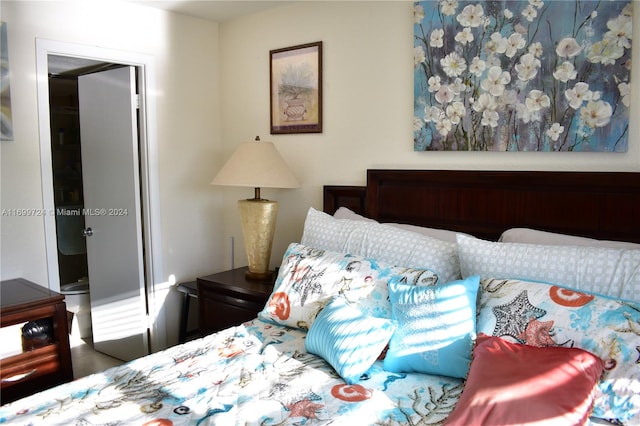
x,y
267,276
258,219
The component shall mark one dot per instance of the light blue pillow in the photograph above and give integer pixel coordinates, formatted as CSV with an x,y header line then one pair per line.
x,y
347,339
436,328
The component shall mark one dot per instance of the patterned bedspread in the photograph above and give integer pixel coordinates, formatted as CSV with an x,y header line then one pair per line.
x,y
256,373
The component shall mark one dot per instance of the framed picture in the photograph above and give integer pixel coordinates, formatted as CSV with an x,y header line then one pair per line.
x,y
518,76
6,124
296,89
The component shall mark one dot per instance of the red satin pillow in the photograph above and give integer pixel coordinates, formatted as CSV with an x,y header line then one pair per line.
x,y
514,384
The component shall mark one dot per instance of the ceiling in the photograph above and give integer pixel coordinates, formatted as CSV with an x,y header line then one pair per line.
x,y
212,10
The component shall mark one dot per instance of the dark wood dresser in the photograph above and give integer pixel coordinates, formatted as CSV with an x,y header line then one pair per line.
x,y
229,298
45,359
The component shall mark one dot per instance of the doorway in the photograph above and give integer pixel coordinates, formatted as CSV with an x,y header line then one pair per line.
x,y
51,136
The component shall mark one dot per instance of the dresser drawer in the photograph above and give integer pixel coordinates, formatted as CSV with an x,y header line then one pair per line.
x,y
229,298
30,365
220,311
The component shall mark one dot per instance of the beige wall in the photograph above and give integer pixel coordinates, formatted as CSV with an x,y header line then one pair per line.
x,y
368,103
188,128
213,93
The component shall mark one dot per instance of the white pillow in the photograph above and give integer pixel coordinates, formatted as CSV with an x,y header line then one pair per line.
x,y
382,242
534,236
441,234
612,272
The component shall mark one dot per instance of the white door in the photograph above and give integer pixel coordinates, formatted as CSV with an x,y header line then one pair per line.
x,y
111,187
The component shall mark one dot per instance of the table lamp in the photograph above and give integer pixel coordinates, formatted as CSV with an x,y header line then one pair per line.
x,y
257,164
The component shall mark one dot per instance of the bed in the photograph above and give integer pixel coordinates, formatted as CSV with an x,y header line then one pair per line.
x,y
405,302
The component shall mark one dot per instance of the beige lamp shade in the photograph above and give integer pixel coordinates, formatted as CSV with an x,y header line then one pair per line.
x,y
257,164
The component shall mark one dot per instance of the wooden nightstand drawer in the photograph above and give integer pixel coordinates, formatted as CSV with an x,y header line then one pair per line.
x,y
236,302
45,360
29,365
228,298
226,312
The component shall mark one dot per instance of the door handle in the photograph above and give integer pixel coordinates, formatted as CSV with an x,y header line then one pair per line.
x,y
87,232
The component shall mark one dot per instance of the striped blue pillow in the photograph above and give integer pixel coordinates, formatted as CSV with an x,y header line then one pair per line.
x,y
436,328
347,339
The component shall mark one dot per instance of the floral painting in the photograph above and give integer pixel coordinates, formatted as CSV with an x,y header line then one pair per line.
x,y
522,75
6,125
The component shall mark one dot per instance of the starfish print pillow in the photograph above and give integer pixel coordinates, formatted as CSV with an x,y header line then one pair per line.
x,y
309,278
546,315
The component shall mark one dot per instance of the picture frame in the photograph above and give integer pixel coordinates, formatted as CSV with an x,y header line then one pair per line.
x,y
510,77
296,89
6,121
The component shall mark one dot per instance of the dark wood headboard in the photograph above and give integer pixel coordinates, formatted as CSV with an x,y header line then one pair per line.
x,y
603,205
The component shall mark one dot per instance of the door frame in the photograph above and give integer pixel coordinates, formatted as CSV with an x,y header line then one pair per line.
x,y
156,289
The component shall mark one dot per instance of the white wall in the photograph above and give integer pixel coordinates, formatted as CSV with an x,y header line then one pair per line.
x,y
368,104
188,112
213,93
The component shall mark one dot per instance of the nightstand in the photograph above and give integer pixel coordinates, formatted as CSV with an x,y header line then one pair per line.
x,y
228,298
44,359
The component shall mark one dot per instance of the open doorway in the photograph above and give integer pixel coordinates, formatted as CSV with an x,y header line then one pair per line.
x,y
62,134
66,150
63,73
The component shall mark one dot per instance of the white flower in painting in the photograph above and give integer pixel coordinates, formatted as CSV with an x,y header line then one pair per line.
x,y
432,114
596,113
448,7
417,124
437,38
453,64
465,36
477,66
515,42
471,16
493,61
508,14
554,131
418,13
418,56
443,126
536,49
565,72
625,93
530,13
495,81
537,100
497,44
536,3
627,10
434,83
620,31
444,94
606,52
528,66
485,102
568,48
524,114
458,87
455,112
490,118
578,94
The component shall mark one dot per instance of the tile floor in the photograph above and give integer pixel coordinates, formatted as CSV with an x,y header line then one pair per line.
x,y
86,360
